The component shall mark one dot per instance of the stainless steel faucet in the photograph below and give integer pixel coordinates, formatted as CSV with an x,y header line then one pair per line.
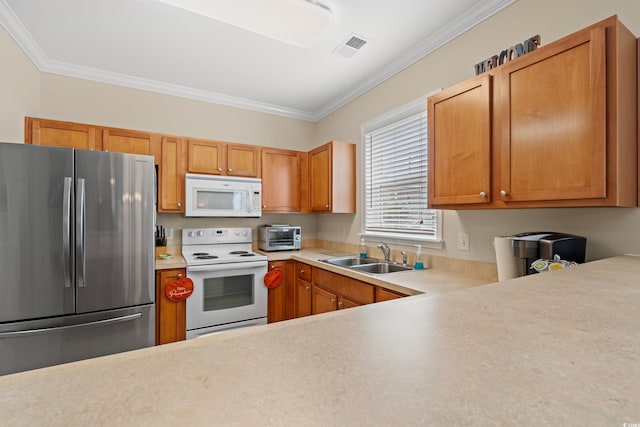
x,y
385,250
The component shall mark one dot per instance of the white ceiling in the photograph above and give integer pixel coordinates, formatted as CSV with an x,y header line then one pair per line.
x,y
149,45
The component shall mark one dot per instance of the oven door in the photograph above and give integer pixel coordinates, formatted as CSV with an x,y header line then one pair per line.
x,y
226,296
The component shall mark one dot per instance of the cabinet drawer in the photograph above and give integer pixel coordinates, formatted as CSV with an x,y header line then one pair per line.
x,y
303,271
355,290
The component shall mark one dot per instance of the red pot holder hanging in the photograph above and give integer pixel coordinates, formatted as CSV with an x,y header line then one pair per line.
x,y
179,290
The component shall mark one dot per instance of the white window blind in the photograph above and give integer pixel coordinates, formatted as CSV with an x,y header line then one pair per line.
x,y
395,167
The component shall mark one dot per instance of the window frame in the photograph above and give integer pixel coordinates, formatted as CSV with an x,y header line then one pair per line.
x,y
398,114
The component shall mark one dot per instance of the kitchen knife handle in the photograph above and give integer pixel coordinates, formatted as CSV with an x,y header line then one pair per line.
x,y
66,230
80,238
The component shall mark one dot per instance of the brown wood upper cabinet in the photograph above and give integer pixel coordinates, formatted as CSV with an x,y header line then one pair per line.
x,y
171,175
126,141
556,127
62,134
332,178
281,185
221,158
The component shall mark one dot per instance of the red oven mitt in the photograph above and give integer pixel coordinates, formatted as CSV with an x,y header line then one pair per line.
x,y
273,279
179,290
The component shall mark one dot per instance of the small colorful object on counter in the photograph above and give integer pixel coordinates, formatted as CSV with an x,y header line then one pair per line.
x,y
541,265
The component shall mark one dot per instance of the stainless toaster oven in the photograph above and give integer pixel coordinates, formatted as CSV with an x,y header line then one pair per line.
x,y
275,237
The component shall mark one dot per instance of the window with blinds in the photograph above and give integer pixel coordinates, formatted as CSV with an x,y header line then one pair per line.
x,y
395,177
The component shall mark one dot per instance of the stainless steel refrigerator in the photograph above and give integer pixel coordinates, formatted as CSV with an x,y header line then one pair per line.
x,y
76,255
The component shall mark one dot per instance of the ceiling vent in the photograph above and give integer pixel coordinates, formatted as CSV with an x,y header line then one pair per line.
x,y
350,46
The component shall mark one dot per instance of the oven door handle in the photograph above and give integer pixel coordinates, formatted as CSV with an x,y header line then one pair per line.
x,y
227,267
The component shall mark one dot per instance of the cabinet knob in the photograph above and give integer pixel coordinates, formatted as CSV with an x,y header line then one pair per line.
x,y
264,206
326,206
229,170
273,266
339,303
179,276
503,193
179,204
333,300
483,194
301,271
219,169
306,287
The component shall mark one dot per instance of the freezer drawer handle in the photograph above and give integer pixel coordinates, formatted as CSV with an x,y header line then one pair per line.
x,y
66,231
29,332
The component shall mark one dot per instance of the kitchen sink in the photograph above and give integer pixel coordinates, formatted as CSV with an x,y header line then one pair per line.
x,y
349,261
381,268
367,265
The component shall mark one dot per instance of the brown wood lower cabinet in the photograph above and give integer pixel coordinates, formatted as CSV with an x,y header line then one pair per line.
x,y
333,291
171,316
383,294
302,289
281,305
307,290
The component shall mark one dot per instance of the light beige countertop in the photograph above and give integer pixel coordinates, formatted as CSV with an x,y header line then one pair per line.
x,y
557,348
429,281
175,261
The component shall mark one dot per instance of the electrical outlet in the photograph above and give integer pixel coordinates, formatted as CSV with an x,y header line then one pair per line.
x,y
168,232
463,241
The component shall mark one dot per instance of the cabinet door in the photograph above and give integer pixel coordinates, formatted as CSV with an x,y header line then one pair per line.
x,y
281,303
61,134
243,160
323,301
320,180
206,157
126,141
171,180
280,180
302,298
460,143
551,115
346,303
171,320
383,294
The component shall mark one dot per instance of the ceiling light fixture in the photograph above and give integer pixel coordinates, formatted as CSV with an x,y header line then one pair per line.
x,y
296,22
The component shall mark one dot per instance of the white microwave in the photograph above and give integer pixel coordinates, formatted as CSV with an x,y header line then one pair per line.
x,y
222,196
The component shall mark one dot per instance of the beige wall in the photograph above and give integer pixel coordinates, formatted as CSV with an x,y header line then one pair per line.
x,y
610,231
19,89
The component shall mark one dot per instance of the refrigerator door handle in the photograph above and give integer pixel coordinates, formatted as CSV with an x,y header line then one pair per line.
x,y
28,332
80,237
66,230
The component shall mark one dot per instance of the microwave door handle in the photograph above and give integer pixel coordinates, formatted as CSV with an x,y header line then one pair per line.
x,y
66,230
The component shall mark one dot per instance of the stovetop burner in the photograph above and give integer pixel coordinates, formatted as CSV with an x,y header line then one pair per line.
x,y
200,253
238,253
206,256
247,254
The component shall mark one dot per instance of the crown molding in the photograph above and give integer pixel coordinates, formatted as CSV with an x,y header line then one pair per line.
x,y
464,22
437,39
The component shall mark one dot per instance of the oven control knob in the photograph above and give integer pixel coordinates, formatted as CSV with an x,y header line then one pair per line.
x,y
244,233
236,232
191,234
200,233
